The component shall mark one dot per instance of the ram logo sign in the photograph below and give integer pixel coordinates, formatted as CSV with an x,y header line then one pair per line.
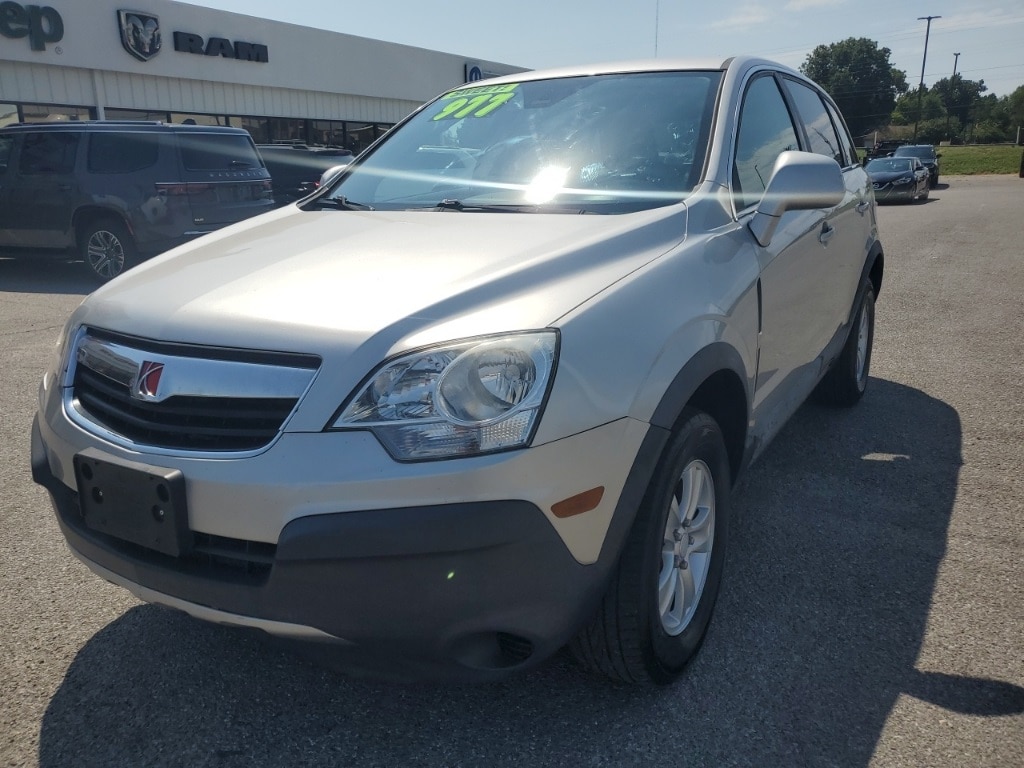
x,y
186,42
140,34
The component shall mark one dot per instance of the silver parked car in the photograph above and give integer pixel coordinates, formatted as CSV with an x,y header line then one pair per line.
x,y
486,394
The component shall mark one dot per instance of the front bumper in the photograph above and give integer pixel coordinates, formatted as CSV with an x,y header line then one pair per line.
x,y
469,590
886,192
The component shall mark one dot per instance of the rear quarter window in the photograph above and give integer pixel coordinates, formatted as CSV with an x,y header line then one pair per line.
x,y
218,152
48,153
122,152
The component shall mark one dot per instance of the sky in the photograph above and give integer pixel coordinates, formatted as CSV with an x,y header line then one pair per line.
x,y
988,34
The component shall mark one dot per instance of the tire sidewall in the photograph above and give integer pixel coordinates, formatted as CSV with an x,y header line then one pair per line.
x,y
699,438
867,304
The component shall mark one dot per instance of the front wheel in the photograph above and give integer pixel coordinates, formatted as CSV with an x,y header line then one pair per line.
x,y
656,611
107,248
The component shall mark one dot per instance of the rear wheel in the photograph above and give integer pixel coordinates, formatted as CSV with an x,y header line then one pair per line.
x,y
847,380
656,611
107,248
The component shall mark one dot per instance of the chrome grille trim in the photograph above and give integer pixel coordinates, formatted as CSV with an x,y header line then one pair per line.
x,y
210,401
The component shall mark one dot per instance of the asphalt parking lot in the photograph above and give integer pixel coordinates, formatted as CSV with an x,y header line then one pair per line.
x,y
872,611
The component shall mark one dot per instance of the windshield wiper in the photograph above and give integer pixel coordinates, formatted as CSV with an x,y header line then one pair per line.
x,y
449,204
341,204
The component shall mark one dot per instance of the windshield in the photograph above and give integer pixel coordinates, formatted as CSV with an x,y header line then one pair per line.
x,y
925,153
889,165
597,144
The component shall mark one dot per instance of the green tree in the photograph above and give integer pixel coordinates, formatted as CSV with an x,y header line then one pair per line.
x,y
858,75
959,96
906,111
990,120
1015,109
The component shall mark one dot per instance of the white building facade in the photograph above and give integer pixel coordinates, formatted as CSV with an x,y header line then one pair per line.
x,y
171,61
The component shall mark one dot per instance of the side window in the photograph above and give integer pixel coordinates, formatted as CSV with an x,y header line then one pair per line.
x,y
765,132
844,136
48,153
121,152
820,131
6,148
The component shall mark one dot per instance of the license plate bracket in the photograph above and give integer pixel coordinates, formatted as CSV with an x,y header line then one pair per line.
x,y
136,502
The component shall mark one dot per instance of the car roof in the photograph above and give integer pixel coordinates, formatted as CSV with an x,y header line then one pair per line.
x,y
120,125
641,65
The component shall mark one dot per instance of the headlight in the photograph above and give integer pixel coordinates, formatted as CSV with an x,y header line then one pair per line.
x,y
903,180
459,399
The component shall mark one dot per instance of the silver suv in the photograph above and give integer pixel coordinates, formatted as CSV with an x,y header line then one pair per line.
x,y
487,393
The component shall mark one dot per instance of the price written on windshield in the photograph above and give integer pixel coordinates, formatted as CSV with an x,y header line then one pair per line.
x,y
475,102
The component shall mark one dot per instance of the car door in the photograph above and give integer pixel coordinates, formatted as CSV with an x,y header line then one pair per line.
x,y
43,189
796,308
846,226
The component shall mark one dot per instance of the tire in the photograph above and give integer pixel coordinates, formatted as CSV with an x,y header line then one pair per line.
x,y
847,380
643,632
107,248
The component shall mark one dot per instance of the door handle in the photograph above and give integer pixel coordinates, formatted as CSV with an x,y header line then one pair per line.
x,y
827,230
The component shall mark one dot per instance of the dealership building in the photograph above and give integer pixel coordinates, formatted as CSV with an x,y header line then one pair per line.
x,y
170,61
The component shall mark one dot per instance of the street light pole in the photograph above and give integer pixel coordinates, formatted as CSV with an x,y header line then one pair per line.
x,y
920,87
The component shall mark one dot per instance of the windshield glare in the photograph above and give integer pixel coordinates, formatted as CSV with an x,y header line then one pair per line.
x,y
602,144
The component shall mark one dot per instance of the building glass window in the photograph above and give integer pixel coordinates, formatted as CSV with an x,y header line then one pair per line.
x,y
54,113
258,127
287,129
8,114
358,136
134,114
327,133
182,117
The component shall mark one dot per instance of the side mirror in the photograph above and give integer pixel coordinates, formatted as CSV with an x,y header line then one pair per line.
x,y
800,181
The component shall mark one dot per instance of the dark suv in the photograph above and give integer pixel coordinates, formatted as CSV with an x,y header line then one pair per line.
x,y
927,155
120,191
295,169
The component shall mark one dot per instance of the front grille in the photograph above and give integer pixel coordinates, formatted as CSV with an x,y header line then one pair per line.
x,y
210,399
189,422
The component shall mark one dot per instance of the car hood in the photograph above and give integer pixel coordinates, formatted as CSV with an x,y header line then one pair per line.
x,y
887,176
327,282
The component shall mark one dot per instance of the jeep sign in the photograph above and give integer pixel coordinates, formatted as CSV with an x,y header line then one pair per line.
x,y
40,24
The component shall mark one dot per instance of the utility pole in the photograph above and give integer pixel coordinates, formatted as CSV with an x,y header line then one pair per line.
x,y
952,93
920,87
657,13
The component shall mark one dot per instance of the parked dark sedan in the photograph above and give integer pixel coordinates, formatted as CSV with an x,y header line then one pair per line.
x,y
927,155
898,178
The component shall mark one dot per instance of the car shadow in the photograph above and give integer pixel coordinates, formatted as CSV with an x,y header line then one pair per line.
x,y
52,273
842,528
